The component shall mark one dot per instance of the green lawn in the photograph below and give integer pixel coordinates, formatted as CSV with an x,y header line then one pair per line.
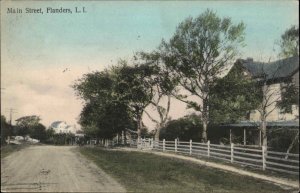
x,y
250,168
142,172
8,149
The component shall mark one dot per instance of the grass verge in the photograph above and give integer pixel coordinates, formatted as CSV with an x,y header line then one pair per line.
x,y
246,167
142,172
8,149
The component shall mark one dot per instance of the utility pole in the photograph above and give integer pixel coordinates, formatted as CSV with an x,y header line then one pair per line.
x,y
11,111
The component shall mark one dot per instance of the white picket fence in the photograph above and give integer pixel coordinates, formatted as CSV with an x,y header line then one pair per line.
x,y
236,154
250,156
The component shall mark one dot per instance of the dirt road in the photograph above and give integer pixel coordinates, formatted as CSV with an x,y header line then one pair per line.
x,y
53,169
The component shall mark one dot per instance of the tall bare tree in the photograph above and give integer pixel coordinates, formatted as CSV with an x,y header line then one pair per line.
x,y
162,88
275,80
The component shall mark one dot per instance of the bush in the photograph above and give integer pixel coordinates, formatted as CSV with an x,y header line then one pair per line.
x,y
279,139
186,128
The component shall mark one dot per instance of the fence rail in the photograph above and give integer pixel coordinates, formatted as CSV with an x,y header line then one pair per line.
x,y
257,157
250,156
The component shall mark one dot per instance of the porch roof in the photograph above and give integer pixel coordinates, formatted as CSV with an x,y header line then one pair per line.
x,y
292,123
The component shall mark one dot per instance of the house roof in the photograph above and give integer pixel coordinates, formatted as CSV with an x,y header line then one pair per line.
x,y
274,70
55,124
269,124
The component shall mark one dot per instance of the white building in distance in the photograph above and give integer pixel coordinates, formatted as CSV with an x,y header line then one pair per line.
x,y
63,127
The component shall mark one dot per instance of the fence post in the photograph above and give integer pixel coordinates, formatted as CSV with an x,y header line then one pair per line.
x,y
191,147
123,138
245,141
231,150
230,136
264,150
175,145
152,144
164,144
208,148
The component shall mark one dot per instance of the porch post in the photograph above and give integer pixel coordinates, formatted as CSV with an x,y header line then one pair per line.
x,y
244,136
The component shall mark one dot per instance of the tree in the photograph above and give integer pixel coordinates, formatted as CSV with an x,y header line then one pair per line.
x,y
289,96
5,129
289,43
162,88
199,52
38,132
134,87
233,96
50,135
184,129
26,124
103,115
271,95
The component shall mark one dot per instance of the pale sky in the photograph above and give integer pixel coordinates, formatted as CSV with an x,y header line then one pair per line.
x,y
36,48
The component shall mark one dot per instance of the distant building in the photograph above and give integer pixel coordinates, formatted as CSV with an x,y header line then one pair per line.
x,y
63,127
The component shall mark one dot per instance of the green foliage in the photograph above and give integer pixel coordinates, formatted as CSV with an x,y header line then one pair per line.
x,y
186,128
281,138
134,86
28,121
289,97
105,112
38,132
58,138
30,125
144,172
6,130
198,53
25,124
145,133
233,96
61,138
201,48
289,43
11,148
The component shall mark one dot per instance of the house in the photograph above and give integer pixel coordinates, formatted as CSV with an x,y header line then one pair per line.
x,y
275,75
63,127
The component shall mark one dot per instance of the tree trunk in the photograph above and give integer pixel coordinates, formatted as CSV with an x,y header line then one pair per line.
x,y
156,137
292,145
264,132
263,117
204,131
139,127
204,121
125,139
